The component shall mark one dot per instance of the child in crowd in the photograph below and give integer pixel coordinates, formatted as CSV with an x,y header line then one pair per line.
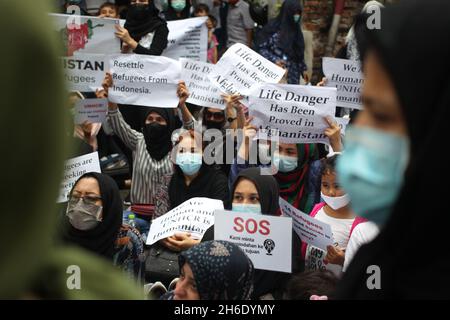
x,y
202,10
335,211
108,10
311,285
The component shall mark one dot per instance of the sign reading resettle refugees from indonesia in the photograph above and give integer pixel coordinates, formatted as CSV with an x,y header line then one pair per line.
x,y
144,80
346,76
293,113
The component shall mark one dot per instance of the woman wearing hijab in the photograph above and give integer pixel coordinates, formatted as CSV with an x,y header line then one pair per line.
x,y
384,167
281,41
32,265
145,32
214,270
177,10
94,214
192,178
258,193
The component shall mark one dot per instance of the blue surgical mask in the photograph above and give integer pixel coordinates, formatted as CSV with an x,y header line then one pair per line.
x,y
285,163
247,208
189,163
371,170
297,18
178,5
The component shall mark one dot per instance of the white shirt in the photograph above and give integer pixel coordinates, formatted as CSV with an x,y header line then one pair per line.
x,y
362,234
341,233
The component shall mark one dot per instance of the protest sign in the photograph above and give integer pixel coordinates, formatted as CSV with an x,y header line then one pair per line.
x,y
240,68
84,72
73,169
293,113
342,123
309,229
267,240
346,76
144,80
202,91
193,216
188,38
90,110
86,35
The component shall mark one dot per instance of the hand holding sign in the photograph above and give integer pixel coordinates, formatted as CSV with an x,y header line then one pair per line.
x,y
182,92
179,242
334,134
124,35
335,255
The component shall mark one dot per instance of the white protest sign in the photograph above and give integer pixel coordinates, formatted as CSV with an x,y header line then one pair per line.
x,y
188,38
309,229
144,80
90,110
240,68
346,76
267,240
193,216
84,34
73,169
84,72
342,123
293,113
202,91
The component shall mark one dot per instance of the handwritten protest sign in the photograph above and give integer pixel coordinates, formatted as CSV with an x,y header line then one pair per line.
x,y
202,91
267,240
90,110
346,76
188,38
193,216
86,35
295,114
240,68
73,169
309,229
84,72
144,80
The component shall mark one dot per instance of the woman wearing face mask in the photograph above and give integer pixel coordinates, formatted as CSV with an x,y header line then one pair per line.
x,y
388,151
335,211
295,165
177,10
94,214
281,41
145,32
192,179
151,150
214,270
257,193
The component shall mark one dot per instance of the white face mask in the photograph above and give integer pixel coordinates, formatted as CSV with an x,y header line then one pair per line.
x,y
336,203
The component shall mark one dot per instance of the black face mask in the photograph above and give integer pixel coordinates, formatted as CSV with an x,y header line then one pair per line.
x,y
214,124
138,12
154,130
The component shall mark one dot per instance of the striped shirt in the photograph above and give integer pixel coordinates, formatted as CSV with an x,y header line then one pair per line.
x,y
148,174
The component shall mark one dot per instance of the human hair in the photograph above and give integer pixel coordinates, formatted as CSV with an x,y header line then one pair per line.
x,y
201,7
110,5
213,20
328,165
314,282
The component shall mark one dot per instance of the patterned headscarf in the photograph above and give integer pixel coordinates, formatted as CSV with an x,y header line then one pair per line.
x,y
222,271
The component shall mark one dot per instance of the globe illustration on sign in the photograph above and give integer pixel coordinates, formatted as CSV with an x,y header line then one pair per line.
x,y
269,245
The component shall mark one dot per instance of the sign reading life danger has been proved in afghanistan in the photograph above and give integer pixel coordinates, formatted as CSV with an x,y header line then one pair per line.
x,y
240,68
144,80
346,76
295,114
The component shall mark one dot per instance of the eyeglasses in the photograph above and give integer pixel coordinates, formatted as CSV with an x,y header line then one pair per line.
x,y
89,200
215,115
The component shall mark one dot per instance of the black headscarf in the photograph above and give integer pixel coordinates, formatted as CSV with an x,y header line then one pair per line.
x,y
102,238
267,187
291,39
142,20
222,271
158,137
268,190
411,265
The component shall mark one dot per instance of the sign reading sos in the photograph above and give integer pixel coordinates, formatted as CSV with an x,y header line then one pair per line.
x,y
251,226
